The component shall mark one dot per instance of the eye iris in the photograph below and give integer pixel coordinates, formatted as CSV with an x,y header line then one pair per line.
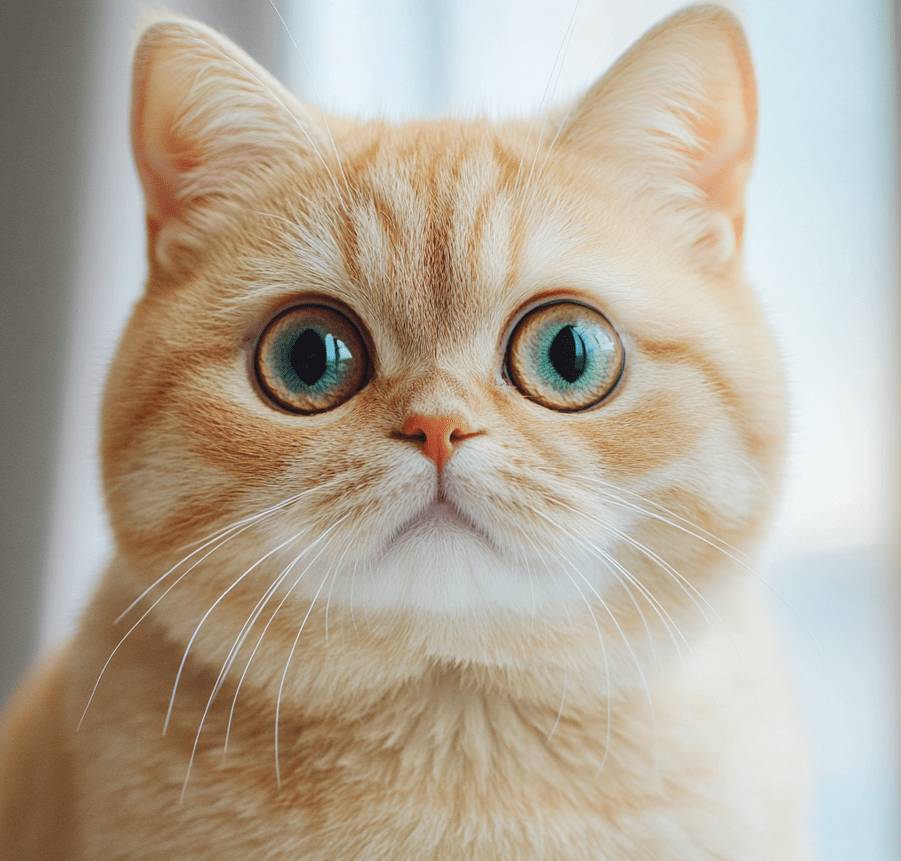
x,y
308,356
567,354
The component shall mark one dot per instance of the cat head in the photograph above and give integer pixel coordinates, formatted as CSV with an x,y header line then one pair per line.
x,y
443,370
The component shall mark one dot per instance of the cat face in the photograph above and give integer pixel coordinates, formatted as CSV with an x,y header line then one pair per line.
x,y
443,369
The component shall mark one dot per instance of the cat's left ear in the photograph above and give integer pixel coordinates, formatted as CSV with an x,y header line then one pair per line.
x,y
677,116
210,129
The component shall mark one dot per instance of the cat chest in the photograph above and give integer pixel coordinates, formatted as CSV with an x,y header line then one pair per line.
x,y
441,777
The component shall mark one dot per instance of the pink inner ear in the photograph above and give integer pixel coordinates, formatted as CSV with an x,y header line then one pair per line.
x,y
728,130
680,104
160,164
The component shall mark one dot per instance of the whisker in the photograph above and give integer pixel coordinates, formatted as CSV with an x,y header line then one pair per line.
x,y
328,599
628,645
618,626
647,628
686,585
669,625
556,71
281,687
559,710
727,550
683,582
147,612
296,121
315,93
209,539
236,531
220,680
619,570
353,579
687,526
235,649
540,555
245,632
606,672
282,577
252,618
206,615
560,126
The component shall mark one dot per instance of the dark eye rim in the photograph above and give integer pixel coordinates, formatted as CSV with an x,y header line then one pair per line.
x,y
548,301
283,310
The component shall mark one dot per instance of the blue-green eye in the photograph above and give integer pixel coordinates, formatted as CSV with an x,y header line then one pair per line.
x,y
565,356
310,359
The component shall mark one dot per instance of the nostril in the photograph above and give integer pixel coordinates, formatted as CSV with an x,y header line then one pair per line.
x,y
436,434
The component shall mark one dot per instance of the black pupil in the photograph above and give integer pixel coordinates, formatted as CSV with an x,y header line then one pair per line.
x,y
308,356
567,354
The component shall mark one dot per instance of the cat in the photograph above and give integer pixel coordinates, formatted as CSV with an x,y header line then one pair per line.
x,y
434,454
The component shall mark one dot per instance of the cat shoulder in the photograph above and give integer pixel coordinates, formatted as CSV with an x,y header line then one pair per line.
x,y
36,798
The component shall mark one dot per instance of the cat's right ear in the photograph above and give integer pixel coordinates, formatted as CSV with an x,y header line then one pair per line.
x,y
676,117
209,129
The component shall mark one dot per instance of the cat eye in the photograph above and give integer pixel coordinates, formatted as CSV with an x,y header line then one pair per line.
x,y
565,356
311,358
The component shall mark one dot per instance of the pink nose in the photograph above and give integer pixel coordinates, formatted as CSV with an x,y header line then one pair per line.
x,y
437,435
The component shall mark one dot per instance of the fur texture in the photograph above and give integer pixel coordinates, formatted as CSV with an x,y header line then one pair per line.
x,y
545,643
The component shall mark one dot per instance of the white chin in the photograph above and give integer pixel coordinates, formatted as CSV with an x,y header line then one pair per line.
x,y
440,564
437,563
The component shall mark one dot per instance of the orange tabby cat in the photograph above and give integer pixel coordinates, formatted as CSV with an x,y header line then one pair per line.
x,y
433,452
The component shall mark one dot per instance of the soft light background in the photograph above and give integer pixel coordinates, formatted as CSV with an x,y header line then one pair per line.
x,y
822,246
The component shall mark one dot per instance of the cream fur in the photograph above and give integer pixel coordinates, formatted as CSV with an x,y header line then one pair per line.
x,y
567,658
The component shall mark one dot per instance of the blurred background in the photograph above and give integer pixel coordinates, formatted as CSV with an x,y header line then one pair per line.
x,y
822,248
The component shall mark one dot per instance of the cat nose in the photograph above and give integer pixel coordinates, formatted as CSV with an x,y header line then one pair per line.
x,y
437,435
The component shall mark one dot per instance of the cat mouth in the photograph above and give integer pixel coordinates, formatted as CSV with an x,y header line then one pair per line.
x,y
439,521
